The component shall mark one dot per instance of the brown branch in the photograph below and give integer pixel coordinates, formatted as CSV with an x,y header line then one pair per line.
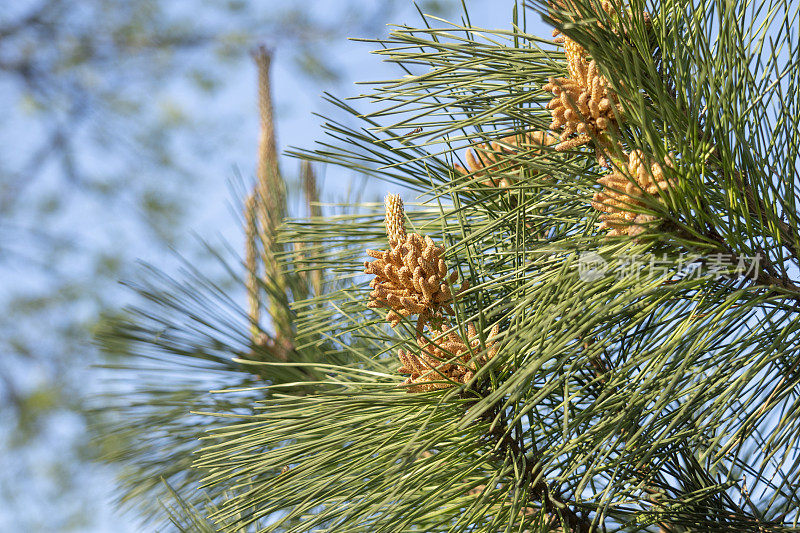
x,y
767,276
540,492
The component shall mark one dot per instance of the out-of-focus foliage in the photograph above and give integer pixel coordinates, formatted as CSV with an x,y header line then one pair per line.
x,y
105,146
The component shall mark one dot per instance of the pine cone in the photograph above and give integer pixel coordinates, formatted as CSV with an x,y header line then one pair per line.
x,y
494,158
448,358
621,196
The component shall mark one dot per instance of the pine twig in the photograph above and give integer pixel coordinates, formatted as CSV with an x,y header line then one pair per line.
x,y
252,265
309,179
271,193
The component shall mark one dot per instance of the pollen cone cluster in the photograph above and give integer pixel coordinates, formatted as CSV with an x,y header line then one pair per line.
x,y
493,158
411,277
583,106
621,196
446,360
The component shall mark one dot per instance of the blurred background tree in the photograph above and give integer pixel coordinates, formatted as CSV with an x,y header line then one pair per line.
x,y
108,153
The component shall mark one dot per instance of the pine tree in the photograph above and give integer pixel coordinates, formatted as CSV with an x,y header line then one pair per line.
x,y
587,320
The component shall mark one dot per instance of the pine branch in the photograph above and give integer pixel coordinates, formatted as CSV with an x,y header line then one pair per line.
x,y
618,403
271,202
557,508
252,265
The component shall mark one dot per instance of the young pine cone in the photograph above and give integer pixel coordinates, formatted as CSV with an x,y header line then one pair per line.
x,y
495,158
395,219
411,277
621,196
448,358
